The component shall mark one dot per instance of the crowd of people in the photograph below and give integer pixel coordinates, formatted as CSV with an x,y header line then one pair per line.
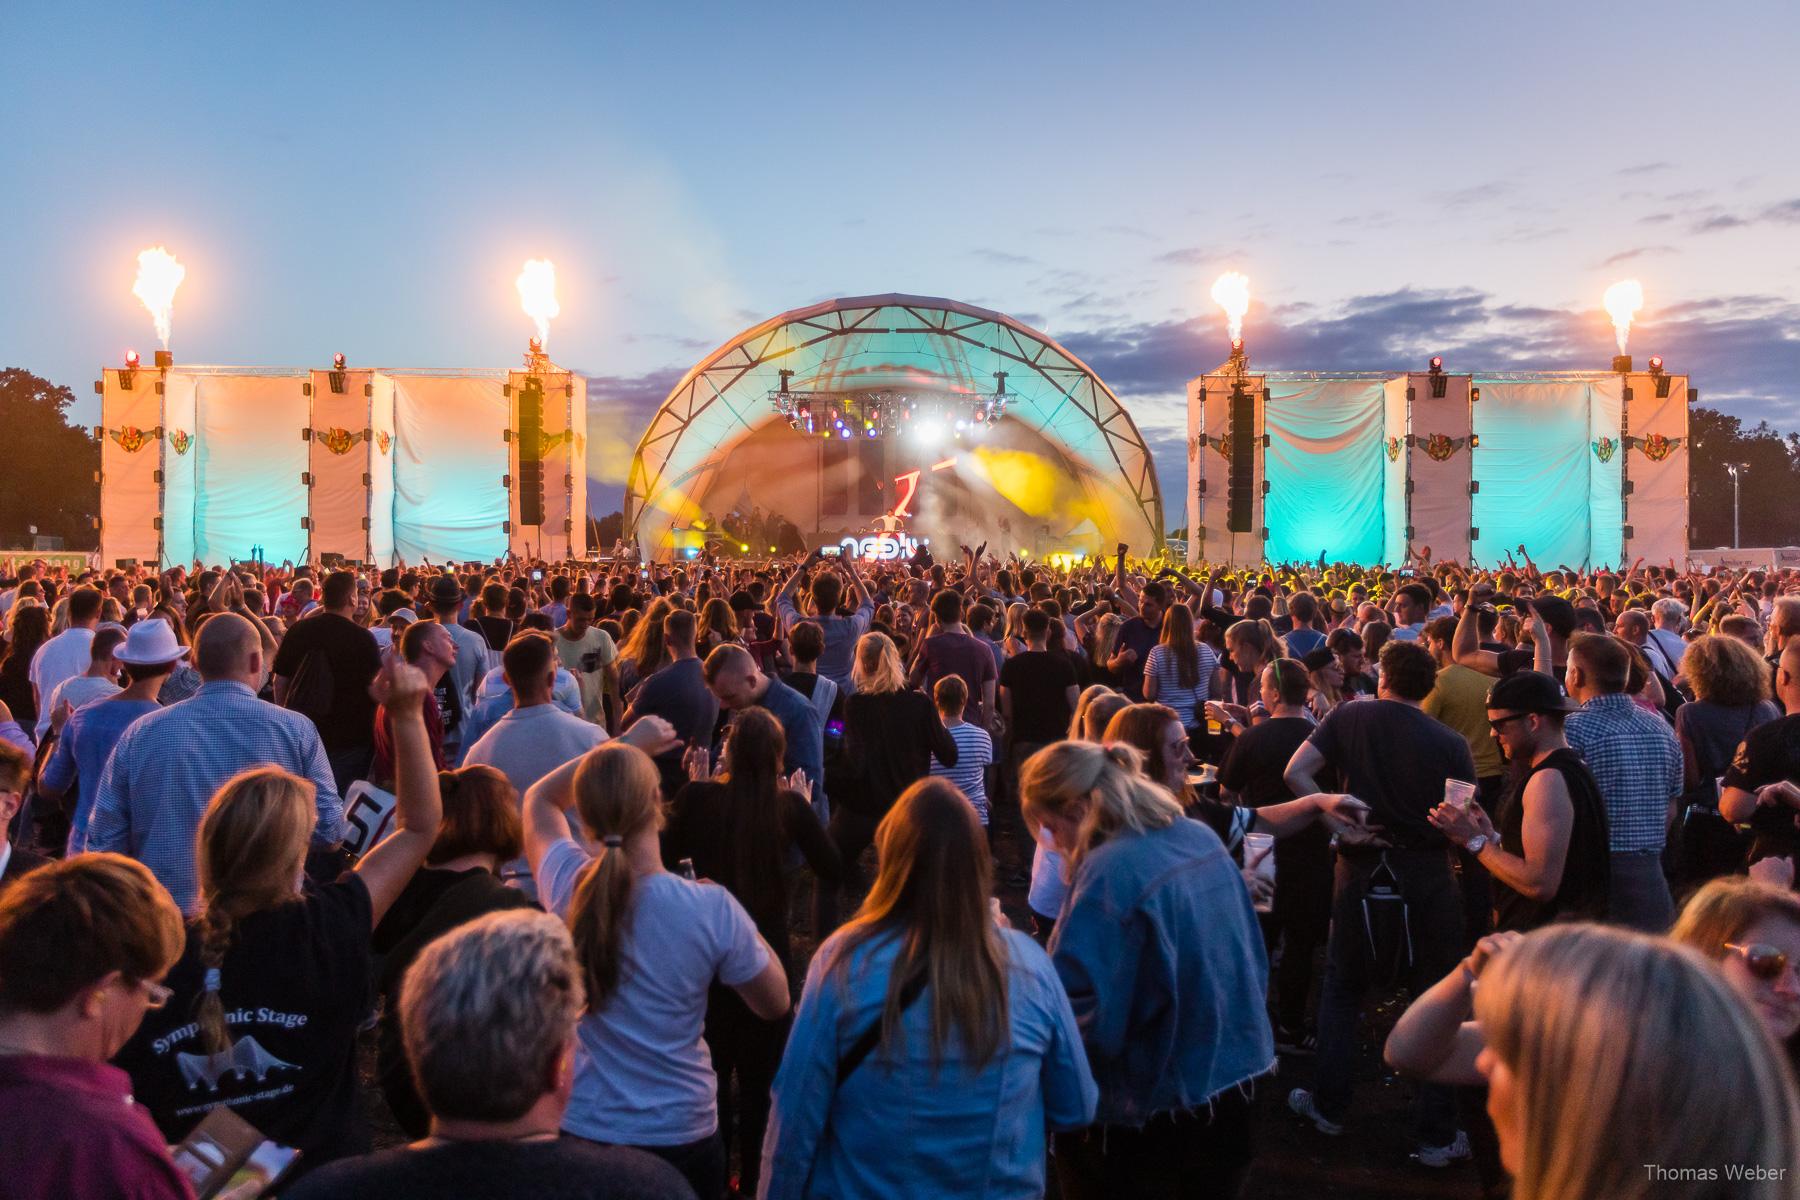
x,y
976,877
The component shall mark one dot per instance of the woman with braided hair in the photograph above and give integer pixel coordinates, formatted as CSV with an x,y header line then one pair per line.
x,y
276,975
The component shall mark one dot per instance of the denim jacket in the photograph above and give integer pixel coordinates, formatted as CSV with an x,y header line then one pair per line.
x,y
900,1126
1163,960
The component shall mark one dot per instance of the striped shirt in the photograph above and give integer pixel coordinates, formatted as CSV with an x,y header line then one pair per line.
x,y
1637,763
974,751
1187,702
167,765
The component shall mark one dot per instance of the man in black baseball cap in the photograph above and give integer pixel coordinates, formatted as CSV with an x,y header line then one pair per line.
x,y
1546,845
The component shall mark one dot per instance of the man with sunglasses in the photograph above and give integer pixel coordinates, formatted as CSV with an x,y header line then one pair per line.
x,y
1546,846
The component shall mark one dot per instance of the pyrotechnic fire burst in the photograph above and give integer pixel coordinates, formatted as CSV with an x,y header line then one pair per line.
x,y
1622,301
1231,292
159,274
537,296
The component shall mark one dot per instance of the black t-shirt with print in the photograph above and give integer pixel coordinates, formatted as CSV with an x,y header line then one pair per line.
x,y
296,986
1769,755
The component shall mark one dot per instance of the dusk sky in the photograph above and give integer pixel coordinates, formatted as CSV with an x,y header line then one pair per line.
x,y
1396,180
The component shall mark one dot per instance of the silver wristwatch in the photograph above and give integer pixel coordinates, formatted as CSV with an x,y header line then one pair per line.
x,y
1476,844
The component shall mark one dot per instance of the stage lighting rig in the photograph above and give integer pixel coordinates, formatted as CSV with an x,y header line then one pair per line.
x,y
1662,377
879,414
1439,383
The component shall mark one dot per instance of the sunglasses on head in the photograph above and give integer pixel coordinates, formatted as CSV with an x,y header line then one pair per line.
x,y
1763,961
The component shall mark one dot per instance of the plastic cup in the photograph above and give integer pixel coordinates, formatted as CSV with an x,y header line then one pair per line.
x,y
1259,859
1458,794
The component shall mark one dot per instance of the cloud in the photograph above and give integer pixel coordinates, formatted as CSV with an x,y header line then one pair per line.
x,y
1717,222
1185,256
1712,220
1003,258
1645,168
1624,256
1787,212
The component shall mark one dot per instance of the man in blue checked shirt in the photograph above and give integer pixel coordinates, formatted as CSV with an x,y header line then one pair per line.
x,y
1637,762
168,764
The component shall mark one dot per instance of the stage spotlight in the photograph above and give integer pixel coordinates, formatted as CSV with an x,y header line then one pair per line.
x,y
743,548
930,432
842,432
1439,383
337,362
1662,379
131,360
1437,363
1656,364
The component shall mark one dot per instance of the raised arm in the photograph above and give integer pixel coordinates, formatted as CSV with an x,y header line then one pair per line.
x,y
1465,647
419,810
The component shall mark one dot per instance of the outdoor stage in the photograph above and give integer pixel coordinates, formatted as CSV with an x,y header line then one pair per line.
x,y
892,421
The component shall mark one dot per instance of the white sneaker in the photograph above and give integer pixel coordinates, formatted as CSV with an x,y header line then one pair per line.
x,y
1443,1156
1301,1101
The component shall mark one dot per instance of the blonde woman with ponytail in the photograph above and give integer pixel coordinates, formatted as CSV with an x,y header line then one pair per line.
x,y
1164,965
651,945
276,975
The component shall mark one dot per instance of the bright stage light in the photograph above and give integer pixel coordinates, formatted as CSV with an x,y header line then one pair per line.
x,y
930,433
337,362
1437,363
1656,364
131,360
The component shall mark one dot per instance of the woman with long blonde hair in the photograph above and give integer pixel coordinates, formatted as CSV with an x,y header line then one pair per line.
x,y
644,650
959,1032
890,735
1157,945
1583,1034
651,944
1752,930
276,975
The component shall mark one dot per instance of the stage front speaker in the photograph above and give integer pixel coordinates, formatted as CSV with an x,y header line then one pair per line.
x,y
531,452
1241,481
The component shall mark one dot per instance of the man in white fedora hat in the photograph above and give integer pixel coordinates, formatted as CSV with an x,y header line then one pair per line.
x,y
86,740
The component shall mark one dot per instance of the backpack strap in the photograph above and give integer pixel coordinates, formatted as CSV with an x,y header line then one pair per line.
x,y
865,1045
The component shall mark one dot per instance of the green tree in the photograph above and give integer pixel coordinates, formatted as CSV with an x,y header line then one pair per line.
x,y
48,477
1768,514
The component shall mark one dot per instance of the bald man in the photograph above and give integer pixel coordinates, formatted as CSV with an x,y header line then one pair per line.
x,y
168,764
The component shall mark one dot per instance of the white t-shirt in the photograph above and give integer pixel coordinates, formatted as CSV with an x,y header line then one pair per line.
x,y
62,657
643,1076
83,689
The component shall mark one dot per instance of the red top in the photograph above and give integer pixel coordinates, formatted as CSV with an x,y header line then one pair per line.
x,y
73,1130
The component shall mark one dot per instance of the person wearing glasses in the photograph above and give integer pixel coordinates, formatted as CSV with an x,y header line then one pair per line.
x,y
1753,930
86,943
1545,845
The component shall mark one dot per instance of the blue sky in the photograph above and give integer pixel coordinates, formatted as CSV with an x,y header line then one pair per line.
x,y
1396,179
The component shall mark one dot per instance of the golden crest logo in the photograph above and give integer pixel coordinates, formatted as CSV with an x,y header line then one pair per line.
x,y
1223,446
1393,449
1440,447
1658,446
383,439
341,441
1604,449
180,439
131,439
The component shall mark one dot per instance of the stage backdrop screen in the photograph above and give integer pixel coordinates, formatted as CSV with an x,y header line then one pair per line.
x,y
1324,467
1542,481
450,463
251,456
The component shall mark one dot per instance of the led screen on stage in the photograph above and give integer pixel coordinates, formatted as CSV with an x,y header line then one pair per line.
x,y
1324,467
450,465
251,455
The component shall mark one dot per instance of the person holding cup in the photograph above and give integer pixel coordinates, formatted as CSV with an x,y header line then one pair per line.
x,y
1546,847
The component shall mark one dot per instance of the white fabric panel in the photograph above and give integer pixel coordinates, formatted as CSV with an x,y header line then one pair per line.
x,y
1532,465
1394,511
180,453
381,472
1439,467
1656,463
578,468
450,461
1324,467
130,456
251,457
1196,471
1606,399
339,455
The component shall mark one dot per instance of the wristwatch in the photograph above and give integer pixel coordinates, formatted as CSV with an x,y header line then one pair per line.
x,y
1476,844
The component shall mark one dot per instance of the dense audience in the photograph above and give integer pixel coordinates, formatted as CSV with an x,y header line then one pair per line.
x,y
563,852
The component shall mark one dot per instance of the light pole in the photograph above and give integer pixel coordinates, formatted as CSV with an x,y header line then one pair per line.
x,y
1736,471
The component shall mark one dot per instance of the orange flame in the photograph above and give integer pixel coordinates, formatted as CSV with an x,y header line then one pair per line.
x,y
1231,292
159,274
1622,301
537,295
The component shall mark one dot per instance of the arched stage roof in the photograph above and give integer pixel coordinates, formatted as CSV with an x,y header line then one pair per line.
x,y
891,342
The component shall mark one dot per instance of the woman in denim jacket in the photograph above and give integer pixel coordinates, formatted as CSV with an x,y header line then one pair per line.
x,y
933,1047
1160,952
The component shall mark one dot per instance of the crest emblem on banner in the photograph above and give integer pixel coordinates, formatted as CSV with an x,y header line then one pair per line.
x,y
383,439
1393,449
131,439
1440,448
1223,445
1604,449
341,441
180,439
1657,446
